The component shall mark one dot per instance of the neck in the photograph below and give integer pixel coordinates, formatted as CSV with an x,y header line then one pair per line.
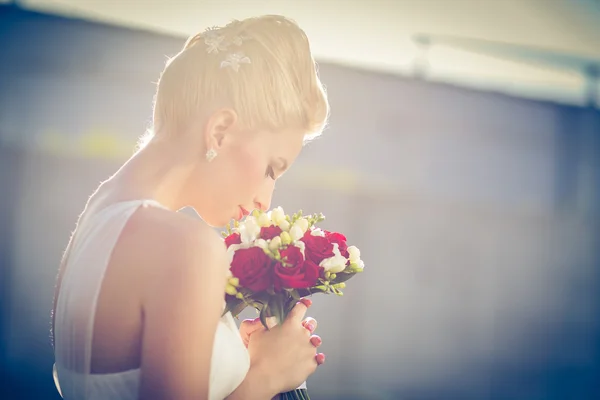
x,y
159,172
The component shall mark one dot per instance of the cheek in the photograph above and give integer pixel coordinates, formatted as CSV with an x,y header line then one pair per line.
x,y
250,170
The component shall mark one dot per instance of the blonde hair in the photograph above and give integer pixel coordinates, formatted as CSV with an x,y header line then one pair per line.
x,y
277,89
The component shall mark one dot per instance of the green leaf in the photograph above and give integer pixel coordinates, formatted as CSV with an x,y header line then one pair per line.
x,y
276,308
230,304
343,277
264,315
304,292
235,311
261,297
290,304
294,294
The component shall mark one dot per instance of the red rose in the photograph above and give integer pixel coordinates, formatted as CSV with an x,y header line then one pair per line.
x,y
292,255
317,248
253,268
234,238
340,239
298,275
269,232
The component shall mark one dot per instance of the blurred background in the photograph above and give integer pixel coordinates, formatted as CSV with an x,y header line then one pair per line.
x,y
463,158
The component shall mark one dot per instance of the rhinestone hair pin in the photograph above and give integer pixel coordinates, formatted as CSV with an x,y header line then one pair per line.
x,y
217,43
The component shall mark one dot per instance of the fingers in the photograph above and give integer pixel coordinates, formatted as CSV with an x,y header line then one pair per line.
x,y
310,324
299,310
316,340
320,358
248,327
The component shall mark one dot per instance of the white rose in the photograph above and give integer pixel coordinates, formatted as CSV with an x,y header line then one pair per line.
x,y
284,225
334,264
249,230
354,254
264,220
278,216
296,233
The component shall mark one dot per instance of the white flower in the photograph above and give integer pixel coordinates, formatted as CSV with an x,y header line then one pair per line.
x,y
275,243
354,254
317,232
360,265
284,225
214,42
296,233
301,223
285,238
234,60
277,215
334,264
249,230
264,220
262,243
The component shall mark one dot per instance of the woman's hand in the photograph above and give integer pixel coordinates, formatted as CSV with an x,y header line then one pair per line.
x,y
286,353
249,326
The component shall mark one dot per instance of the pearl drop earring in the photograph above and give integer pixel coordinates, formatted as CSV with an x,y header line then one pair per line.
x,y
210,155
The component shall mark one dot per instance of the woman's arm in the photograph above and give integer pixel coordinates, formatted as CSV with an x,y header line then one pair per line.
x,y
182,304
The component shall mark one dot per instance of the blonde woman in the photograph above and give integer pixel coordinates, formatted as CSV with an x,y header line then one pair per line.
x,y
139,297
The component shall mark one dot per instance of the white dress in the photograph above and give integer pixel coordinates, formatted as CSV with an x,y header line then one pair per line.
x,y
89,256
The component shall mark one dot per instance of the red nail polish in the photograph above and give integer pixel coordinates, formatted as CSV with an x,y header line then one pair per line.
x,y
320,358
306,302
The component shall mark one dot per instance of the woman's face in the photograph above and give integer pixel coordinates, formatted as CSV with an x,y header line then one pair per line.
x,y
242,176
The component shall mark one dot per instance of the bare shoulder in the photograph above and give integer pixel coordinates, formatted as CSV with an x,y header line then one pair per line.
x,y
170,230
161,233
165,246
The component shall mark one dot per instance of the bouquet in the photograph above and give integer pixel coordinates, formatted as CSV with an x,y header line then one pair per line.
x,y
276,259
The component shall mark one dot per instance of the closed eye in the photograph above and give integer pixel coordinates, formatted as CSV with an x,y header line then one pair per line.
x,y
270,173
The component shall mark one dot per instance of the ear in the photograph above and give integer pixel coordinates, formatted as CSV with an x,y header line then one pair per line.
x,y
218,127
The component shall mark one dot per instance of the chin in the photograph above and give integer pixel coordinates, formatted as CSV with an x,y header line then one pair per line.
x,y
216,221
213,219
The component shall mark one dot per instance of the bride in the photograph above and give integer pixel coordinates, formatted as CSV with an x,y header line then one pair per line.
x,y
140,290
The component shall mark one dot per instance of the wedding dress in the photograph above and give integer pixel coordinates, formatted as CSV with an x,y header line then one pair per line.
x,y
89,256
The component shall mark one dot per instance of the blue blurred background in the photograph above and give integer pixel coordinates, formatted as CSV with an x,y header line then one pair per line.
x,y
463,158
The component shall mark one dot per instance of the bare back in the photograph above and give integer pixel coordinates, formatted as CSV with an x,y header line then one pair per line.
x,y
116,254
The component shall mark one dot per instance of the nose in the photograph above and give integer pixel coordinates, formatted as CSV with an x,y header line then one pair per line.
x,y
262,201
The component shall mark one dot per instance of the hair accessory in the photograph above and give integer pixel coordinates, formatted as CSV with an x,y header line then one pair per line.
x,y
216,42
234,60
210,155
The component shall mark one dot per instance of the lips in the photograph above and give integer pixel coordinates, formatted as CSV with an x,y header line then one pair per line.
x,y
243,213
